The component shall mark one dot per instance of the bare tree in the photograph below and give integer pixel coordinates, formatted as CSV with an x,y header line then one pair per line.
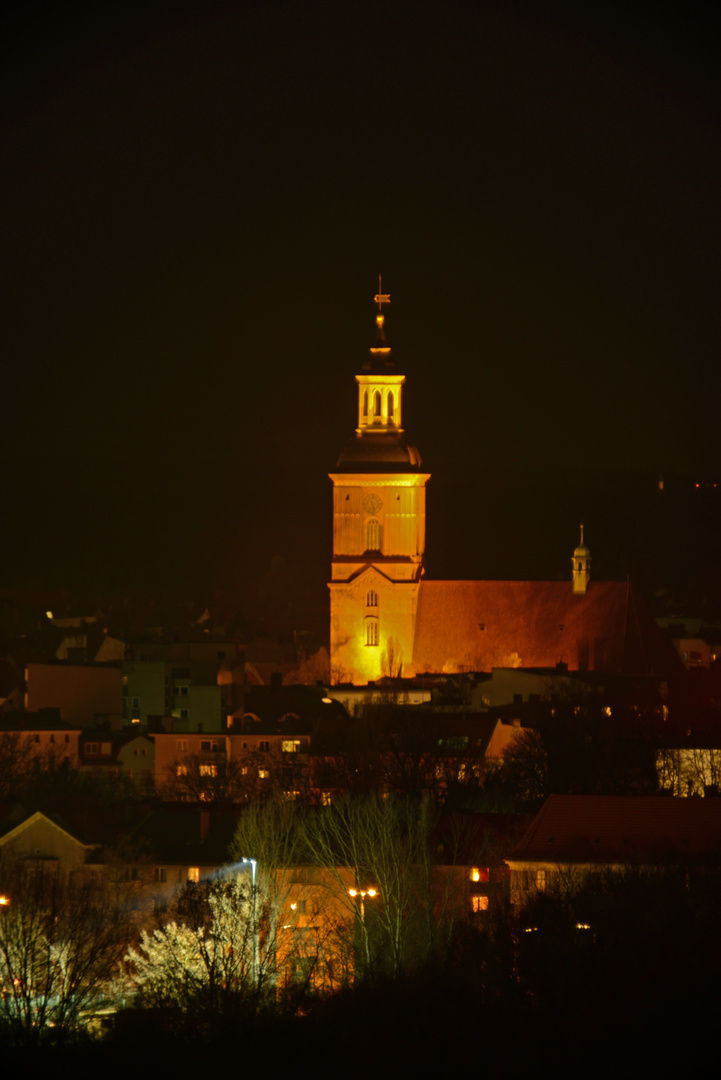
x,y
302,943
24,765
392,659
60,944
383,844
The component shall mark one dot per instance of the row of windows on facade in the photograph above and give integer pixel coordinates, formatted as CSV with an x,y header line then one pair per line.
x,y
288,746
211,770
93,749
378,404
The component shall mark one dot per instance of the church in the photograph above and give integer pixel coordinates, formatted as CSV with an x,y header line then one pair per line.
x,y
387,619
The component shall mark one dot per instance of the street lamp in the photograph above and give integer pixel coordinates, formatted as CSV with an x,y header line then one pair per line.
x,y
254,900
362,893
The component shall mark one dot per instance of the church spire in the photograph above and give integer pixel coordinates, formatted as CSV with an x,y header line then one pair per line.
x,y
380,352
380,299
581,566
379,386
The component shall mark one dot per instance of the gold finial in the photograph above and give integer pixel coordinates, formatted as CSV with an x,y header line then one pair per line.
x,y
381,298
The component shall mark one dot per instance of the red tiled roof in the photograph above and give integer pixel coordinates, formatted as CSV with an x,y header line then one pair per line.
x,y
604,828
479,625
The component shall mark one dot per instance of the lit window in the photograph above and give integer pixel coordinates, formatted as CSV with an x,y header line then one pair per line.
x,y
194,874
263,774
182,770
290,746
540,880
208,770
326,798
479,873
479,903
371,631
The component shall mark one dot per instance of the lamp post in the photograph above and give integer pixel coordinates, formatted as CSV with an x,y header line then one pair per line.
x,y
254,902
362,893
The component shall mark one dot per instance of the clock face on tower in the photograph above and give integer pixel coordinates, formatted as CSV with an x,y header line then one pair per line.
x,y
372,503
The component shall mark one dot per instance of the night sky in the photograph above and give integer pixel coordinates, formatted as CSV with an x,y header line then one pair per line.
x,y
197,200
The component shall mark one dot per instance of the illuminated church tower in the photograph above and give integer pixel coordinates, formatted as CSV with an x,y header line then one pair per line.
x,y
379,526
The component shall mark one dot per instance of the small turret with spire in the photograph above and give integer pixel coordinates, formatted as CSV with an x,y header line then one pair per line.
x,y
581,566
379,385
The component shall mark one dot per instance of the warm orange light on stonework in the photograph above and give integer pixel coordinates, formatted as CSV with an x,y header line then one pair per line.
x,y
379,529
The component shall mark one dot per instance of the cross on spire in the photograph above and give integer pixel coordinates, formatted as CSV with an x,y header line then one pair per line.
x,y
381,298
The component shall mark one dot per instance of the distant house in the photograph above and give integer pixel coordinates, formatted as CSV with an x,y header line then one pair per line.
x,y
43,842
41,734
576,835
117,753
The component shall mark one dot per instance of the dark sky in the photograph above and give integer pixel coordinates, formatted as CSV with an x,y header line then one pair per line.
x,y
197,200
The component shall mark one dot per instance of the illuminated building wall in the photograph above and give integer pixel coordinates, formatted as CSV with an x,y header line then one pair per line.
x,y
379,526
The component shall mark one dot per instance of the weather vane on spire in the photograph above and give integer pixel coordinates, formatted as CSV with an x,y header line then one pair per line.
x,y
381,298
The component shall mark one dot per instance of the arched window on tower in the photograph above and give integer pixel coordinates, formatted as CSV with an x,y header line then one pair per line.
x,y
372,599
390,405
371,631
373,535
377,404
365,404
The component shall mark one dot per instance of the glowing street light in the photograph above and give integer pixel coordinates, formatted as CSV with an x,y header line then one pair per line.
x,y
362,893
254,898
